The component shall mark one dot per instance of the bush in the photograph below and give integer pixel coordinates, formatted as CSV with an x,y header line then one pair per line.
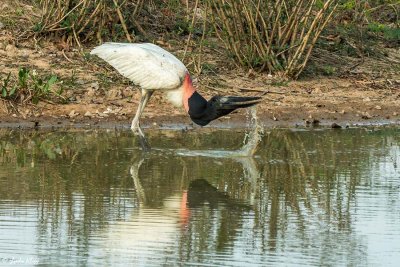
x,y
271,35
83,20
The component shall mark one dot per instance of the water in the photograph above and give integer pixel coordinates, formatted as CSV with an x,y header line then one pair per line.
x,y
306,198
251,141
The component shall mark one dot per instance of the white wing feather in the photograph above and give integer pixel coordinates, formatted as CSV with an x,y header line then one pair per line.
x,y
146,65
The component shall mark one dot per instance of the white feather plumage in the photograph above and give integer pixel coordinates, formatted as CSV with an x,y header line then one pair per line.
x,y
146,65
150,67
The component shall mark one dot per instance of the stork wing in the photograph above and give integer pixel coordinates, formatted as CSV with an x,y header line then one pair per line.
x,y
146,65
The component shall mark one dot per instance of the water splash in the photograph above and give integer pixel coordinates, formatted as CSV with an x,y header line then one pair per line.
x,y
253,138
250,142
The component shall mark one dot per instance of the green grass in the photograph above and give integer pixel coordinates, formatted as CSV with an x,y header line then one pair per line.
x,y
28,86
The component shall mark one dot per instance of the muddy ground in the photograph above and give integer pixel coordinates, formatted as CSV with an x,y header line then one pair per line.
x,y
360,92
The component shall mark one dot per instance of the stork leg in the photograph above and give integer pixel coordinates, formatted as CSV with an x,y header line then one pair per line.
x,y
135,126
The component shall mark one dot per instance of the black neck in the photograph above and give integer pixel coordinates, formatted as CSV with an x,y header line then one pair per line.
x,y
197,107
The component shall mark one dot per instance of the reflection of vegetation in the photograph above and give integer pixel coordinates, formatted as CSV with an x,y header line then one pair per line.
x,y
312,176
304,190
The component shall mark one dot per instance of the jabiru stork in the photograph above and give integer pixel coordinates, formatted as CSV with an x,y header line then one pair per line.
x,y
155,69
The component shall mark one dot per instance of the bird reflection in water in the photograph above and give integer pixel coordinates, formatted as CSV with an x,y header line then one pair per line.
x,y
200,192
164,220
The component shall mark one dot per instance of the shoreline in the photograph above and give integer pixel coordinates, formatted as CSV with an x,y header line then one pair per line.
x,y
184,123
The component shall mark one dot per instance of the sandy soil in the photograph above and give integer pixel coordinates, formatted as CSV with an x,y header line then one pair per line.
x,y
98,96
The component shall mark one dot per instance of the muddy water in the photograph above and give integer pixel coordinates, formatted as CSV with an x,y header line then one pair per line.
x,y
315,198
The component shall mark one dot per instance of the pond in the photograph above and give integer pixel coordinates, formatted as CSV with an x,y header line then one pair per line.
x,y
307,197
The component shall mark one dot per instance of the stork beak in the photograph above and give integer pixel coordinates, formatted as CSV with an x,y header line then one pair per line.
x,y
234,102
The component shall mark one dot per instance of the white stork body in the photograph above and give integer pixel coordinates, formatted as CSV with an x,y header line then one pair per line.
x,y
150,67
146,65
155,69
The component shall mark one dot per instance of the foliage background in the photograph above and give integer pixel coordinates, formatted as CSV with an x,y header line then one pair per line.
x,y
276,36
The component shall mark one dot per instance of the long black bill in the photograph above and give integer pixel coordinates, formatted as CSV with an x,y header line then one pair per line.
x,y
203,112
235,102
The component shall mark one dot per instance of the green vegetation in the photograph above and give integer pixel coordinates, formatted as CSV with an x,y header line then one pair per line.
x,y
79,21
277,36
363,28
28,86
273,36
